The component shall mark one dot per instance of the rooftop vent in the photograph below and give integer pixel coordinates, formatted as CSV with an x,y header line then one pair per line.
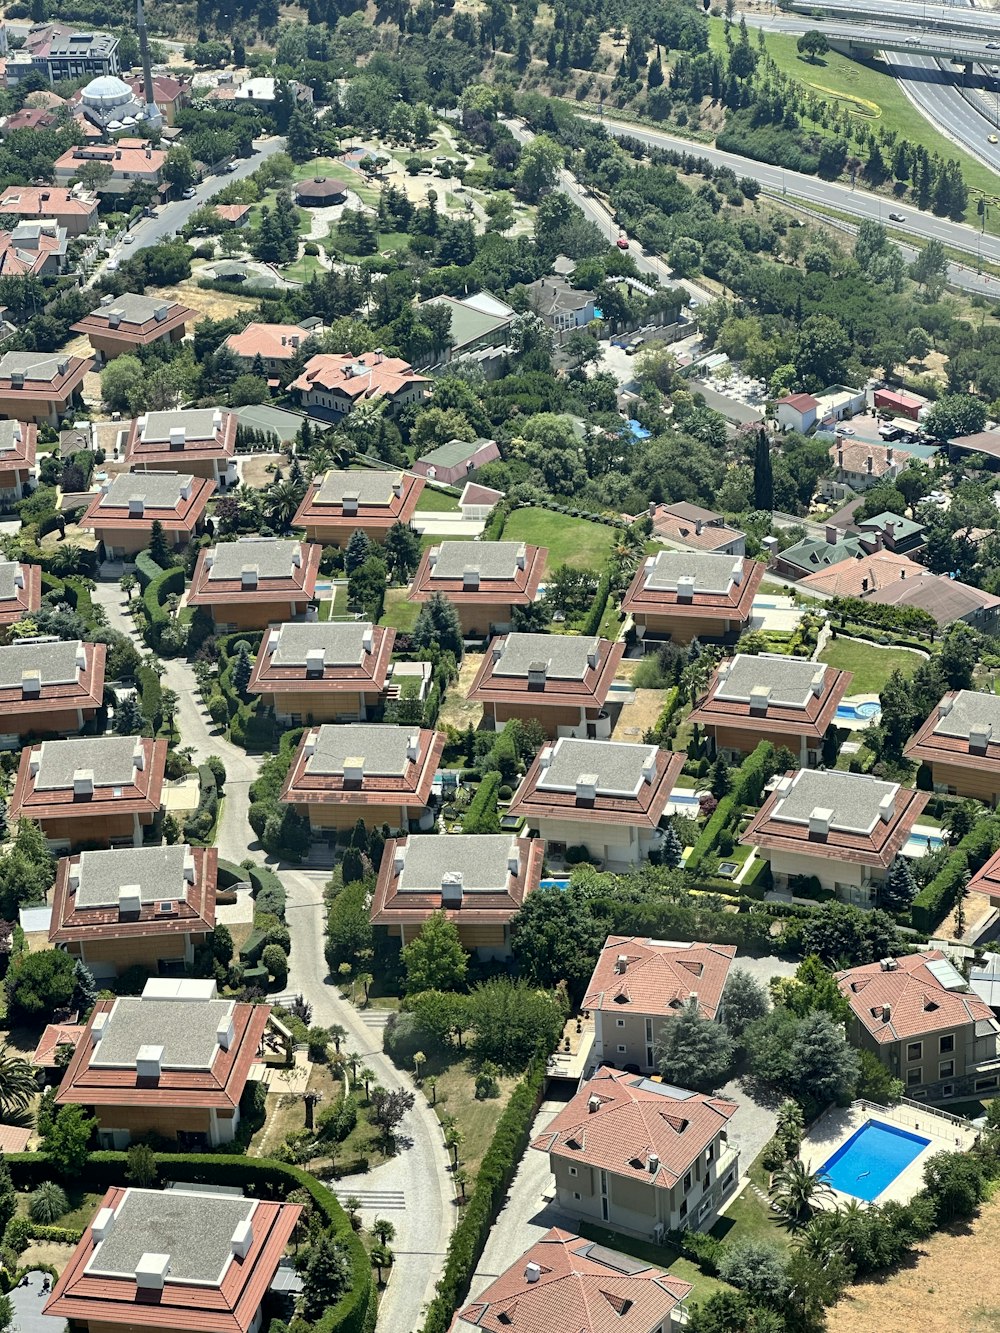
x,y
248,576
149,1061
368,639
151,1271
242,1239
685,588
136,505
621,964
114,318
129,900
654,1163
593,1104
888,964
586,787
102,1224
887,807
452,888
315,661
819,676
225,1033
532,1272
760,697
354,769
31,684
470,578
351,501
537,671
97,1027
979,737
514,862
160,313
83,782
819,821
413,747
177,437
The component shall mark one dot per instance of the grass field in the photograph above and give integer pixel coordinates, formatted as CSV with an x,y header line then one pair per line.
x,y
335,606
302,269
872,665
437,502
570,541
399,613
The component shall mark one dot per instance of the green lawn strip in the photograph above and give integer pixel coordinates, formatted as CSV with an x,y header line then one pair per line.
x,y
610,626
662,1256
82,1207
871,664
399,613
302,269
570,541
336,605
747,1217
437,502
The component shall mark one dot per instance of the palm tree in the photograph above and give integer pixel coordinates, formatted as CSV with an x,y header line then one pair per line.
x,y
430,1087
383,1230
453,1140
169,703
128,584
282,501
365,981
798,1192
352,1203
419,1060
337,1034
318,461
461,1180
17,1082
366,1076
381,1257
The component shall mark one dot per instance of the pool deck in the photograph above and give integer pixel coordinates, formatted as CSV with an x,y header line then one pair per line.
x,y
946,1133
857,723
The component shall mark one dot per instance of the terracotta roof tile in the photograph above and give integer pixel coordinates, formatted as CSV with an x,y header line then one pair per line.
x,y
658,977
908,1000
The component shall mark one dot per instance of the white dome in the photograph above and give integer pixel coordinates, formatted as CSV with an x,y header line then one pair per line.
x,y
107,91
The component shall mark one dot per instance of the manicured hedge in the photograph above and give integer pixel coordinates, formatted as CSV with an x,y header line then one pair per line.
x,y
495,1174
146,569
482,815
596,613
354,1312
933,903
748,785
154,595
150,696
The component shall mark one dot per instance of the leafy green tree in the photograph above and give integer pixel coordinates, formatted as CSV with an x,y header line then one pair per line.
x,y
812,988
327,1275
813,44
366,588
128,719
744,1000
930,268
123,384
140,1166
513,1021
763,474
875,1082
18,1083
349,927
438,626
68,1138
8,1196
178,169
754,1266
694,1051
956,1183
538,167
435,959
38,983
402,551
27,870
954,415
958,655
845,936
825,1067
555,937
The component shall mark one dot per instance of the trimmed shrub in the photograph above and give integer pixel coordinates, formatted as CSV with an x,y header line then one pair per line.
x,y
167,582
596,613
482,815
933,903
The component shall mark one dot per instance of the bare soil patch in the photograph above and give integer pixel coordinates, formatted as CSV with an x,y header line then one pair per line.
x,y
258,469
457,711
636,718
209,304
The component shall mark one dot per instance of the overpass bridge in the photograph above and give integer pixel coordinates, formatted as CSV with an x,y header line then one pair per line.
x,y
911,14
866,39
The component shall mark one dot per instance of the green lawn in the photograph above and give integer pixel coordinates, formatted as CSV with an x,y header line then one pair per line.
x,y
437,502
570,541
745,1217
663,1256
872,665
399,613
302,269
337,605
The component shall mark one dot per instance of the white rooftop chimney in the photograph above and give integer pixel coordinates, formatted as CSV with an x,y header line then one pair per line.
x,y
242,1238
136,505
398,859
102,1224
470,578
819,676
760,697
178,434
685,588
820,820
737,572
351,501
452,888
129,899
586,787
248,576
225,1033
887,807
593,1103
151,1271
354,768
532,1272
149,1061
31,683
413,747
97,1027
654,1163
979,736
621,964
514,861
368,639
315,661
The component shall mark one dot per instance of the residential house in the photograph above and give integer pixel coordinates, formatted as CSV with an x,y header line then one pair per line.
x,y
41,386
451,463
960,744
266,89
275,345
255,581
49,687
163,1258
129,160
124,510
18,442
787,700
378,774
945,599
692,528
918,1016
639,983
125,323
28,118
339,503
563,308
630,1153
98,791
606,796
479,329
843,830
323,671
564,1284
170,94
174,1061
797,411
34,249
74,209
812,555
331,386
150,907
477,502
860,464
20,590
479,881
199,440
839,403
558,680
233,215
483,580
863,574
892,532
685,595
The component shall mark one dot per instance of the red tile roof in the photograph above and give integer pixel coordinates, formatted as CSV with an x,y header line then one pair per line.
x,y
86,691
928,745
853,455
907,1000
943,598
27,594
25,448
278,341
402,490
635,1118
800,402
777,719
220,443
99,324
589,691
54,1036
658,978
370,674
232,212
178,521
14,1138
298,584
855,577
519,589
412,787
46,201
581,1287
140,796
704,531
475,494
643,810
17,259
377,378
736,604
129,157
53,378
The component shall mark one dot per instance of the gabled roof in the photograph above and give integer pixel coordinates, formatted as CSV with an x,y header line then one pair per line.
x,y
657,977
764,695
454,452
899,999
183,434
867,575
137,500
799,402
357,377
619,1122
943,598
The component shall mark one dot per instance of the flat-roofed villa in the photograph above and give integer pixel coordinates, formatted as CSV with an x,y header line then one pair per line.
x,y
147,906
638,983
484,581
631,1153
18,444
174,1060
124,510
340,503
49,687
20,590
607,796
787,700
123,323
323,671
986,881
685,595
843,829
200,440
255,581
378,773
918,1015
564,1284
479,881
960,744
560,680
174,1260
96,791
41,386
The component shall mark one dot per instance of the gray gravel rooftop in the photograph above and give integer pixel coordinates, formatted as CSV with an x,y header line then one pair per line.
x,y
789,679
617,766
134,309
8,575
9,440
196,1230
158,871
198,423
55,660
186,1029
158,490
383,749
342,644
481,860
111,759
565,655
970,709
493,560
32,365
711,573
853,798
371,488
271,557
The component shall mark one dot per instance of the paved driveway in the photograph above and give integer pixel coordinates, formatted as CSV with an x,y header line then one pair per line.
x,y
28,1300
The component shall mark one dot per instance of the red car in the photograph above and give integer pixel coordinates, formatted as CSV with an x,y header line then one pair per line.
x,y
622,242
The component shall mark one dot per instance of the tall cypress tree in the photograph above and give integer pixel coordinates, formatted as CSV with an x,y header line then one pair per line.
x,y
763,476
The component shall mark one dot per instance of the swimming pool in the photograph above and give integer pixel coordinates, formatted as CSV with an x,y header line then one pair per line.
x,y
858,712
871,1159
919,843
680,797
553,884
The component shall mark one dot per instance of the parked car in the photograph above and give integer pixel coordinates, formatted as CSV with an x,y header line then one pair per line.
x,y
189,193
634,346
622,242
129,240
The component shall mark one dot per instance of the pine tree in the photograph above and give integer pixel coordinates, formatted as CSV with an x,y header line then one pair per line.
x,y
358,550
128,718
159,549
402,550
654,77
899,887
242,670
763,474
721,778
438,626
671,848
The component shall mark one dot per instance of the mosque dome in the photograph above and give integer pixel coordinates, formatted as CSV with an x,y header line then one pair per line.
x,y
107,91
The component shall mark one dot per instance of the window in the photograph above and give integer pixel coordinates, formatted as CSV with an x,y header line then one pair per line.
x,y
946,1069
948,1090
915,1050
982,1084
573,1171
728,1180
687,1182
710,1154
576,1194
622,1049
684,1209
912,1077
619,1022
947,1044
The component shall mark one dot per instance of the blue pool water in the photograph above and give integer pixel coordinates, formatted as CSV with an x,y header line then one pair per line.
x,y
554,884
859,712
871,1159
678,797
918,843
